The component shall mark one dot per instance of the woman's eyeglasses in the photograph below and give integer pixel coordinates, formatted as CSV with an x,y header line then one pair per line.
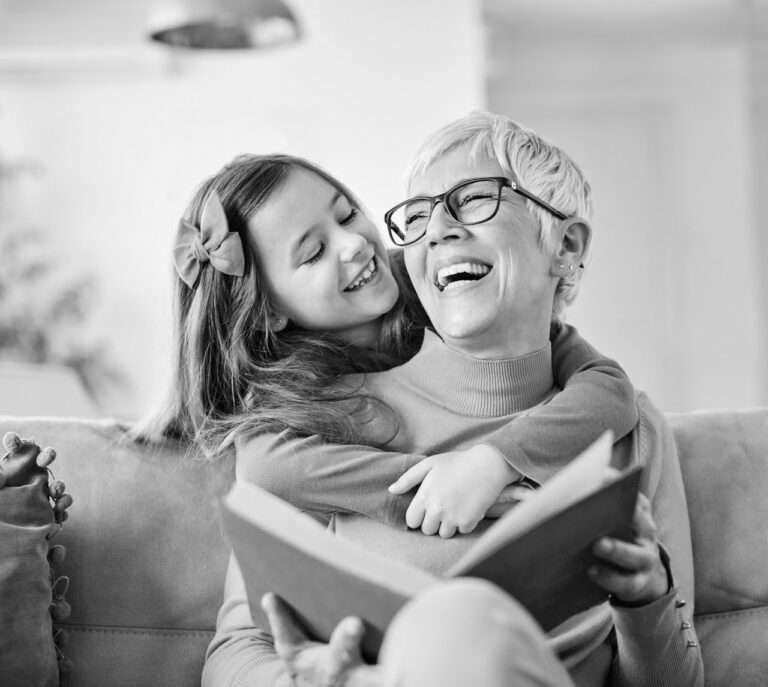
x,y
473,201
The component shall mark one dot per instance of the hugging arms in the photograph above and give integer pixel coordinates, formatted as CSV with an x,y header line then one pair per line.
x,y
308,340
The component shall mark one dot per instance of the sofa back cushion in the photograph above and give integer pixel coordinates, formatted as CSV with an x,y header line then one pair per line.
x,y
145,555
724,458
147,561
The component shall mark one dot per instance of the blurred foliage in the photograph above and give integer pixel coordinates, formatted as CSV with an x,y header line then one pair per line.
x,y
45,312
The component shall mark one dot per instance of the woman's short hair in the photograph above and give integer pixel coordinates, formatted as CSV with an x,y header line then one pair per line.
x,y
526,158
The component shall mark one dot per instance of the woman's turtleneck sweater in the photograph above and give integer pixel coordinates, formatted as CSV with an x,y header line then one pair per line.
x,y
444,400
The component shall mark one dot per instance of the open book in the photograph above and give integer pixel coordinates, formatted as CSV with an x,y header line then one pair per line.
x,y
539,552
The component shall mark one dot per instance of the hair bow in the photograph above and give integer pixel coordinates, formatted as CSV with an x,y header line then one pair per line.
x,y
210,242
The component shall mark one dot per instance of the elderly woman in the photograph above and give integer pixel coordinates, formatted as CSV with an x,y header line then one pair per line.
x,y
495,230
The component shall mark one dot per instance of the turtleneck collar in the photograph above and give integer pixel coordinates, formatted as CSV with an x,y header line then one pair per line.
x,y
479,387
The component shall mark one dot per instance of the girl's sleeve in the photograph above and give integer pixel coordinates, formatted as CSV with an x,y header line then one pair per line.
x,y
596,396
324,478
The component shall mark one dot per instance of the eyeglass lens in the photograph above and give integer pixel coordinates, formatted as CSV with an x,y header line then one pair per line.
x,y
470,203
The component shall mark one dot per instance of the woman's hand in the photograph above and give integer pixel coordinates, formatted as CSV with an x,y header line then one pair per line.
x,y
456,489
314,664
633,571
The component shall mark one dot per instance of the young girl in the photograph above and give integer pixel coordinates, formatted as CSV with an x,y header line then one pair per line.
x,y
284,286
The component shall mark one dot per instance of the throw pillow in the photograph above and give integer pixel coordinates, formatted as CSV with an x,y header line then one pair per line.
x,y
31,511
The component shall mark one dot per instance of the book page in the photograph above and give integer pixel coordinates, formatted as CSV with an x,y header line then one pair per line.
x,y
324,578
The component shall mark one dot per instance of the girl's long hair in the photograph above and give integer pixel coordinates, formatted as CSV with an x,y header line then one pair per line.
x,y
232,374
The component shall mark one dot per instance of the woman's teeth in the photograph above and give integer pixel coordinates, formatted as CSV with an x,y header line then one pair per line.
x,y
365,276
459,273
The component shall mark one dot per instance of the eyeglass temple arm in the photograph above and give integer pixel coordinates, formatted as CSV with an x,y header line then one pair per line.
x,y
535,199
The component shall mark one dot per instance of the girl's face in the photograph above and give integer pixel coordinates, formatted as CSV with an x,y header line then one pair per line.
x,y
323,259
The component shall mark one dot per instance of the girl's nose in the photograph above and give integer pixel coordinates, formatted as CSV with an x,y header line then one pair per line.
x,y
353,247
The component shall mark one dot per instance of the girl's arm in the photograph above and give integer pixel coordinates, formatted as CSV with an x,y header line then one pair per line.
x,y
320,477
596,396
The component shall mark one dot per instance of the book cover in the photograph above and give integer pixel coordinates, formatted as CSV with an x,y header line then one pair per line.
x,y
539,552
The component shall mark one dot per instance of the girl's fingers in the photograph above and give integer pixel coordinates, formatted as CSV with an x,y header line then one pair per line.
x,y
411,478
447,530
431,524
414,516
470,526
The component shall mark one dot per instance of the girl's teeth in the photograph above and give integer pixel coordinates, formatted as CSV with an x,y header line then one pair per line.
x,y
364,277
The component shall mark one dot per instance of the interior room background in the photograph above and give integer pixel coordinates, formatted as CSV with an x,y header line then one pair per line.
x,y
104,135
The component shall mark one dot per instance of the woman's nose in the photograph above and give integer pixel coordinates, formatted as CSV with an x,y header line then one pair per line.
x,y
442,227
353,246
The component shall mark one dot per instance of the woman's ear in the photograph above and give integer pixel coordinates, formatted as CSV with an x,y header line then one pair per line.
x,y
575,235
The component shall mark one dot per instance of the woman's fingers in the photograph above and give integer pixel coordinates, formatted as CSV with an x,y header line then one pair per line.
x,y
411,478
633,571
285,630
625,586
625,555
345,641
643,523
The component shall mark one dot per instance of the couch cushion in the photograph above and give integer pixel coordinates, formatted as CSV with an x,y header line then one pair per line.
x,y
724,459
145,555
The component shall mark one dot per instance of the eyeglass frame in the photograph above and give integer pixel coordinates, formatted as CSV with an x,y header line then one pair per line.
x,y
502,182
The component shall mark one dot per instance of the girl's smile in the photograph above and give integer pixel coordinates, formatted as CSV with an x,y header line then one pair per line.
x,y
323,259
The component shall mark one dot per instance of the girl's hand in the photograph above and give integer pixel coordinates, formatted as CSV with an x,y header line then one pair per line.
x,y
456,489
314,664
633,571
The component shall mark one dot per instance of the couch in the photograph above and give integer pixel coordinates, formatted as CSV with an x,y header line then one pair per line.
x,y
146,558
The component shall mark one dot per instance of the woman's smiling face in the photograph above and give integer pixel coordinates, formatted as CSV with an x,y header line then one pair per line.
x,y
502,304
323,259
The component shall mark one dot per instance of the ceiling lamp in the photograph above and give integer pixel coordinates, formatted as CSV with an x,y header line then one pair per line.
x,y
224,24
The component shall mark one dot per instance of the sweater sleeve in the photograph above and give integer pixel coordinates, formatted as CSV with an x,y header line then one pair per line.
x,y
324,478
596,396
241,655
657,643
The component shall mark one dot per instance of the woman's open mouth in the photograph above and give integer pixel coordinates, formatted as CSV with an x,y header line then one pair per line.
x,y
365,277
453,276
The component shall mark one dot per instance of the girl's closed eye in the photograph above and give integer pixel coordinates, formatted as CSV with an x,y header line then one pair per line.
x,y
353,213
316,255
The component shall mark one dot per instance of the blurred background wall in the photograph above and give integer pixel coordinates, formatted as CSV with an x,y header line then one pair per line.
x,y
107,135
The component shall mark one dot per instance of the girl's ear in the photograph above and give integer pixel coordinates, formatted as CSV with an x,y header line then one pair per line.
x,y
574,234
277,321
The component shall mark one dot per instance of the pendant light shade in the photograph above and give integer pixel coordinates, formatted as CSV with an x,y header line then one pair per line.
x,y
224,24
